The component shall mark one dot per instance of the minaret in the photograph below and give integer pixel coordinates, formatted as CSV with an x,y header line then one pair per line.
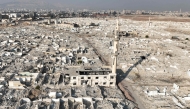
x,y
150,23
115,50
49,20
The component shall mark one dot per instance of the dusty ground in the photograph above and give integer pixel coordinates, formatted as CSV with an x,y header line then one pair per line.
x,y
156,18
186,32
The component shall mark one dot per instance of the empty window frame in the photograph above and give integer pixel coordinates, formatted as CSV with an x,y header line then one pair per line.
x,y
111,77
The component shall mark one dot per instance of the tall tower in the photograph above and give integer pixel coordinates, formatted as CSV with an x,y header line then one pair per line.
x,y
150,23
115,50
49,20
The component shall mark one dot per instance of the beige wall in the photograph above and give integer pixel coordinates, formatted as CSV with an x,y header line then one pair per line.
x,y
93,80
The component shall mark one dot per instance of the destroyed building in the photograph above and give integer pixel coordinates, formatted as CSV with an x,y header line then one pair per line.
x,y
47,69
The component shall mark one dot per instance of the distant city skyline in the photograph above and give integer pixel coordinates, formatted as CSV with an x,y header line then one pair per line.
x,y
154,5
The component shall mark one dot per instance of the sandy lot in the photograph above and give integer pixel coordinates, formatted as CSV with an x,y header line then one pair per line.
x,y
156,18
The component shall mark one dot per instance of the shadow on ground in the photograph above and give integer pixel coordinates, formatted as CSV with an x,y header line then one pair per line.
x,y
121,75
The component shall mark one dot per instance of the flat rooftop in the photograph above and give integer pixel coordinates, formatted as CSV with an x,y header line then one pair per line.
x,y
88,71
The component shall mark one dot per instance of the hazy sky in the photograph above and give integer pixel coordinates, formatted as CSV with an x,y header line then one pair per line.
x,y
157,5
